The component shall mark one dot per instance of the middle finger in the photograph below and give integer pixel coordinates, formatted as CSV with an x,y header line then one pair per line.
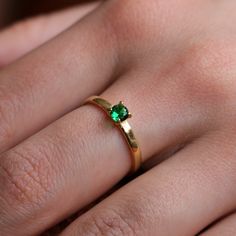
x,y
54,79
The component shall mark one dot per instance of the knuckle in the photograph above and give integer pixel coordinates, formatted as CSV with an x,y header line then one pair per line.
x,y
110,222
202,72
126,17
25,177
210,60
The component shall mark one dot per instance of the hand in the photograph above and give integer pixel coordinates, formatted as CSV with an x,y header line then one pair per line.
x,y
173,65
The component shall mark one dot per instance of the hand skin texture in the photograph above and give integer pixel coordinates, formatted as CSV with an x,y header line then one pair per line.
x,y
173,63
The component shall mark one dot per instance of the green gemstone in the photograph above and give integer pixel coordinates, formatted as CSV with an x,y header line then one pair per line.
x,y
119,113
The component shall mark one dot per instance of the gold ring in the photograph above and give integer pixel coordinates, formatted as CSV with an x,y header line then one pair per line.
x,y
119,115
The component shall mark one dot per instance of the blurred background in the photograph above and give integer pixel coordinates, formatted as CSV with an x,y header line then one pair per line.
x,y
14,10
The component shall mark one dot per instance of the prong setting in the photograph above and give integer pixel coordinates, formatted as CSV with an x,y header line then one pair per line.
x,y
119,112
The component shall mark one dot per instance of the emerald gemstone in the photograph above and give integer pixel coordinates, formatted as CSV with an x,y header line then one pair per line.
x,y
119,113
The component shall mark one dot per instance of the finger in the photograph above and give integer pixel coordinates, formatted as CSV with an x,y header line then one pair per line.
x,y
56,78
24,36
76,159
226,226
181,196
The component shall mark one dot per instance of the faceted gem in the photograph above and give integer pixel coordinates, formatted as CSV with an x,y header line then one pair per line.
x,y
119,113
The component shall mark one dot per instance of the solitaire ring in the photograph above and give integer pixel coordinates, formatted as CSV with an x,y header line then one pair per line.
x,y
119,114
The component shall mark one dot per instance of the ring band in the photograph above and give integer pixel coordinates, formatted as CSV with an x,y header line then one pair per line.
x,y
119,115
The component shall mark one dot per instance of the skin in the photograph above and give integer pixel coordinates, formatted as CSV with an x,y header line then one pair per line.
x,y
173,64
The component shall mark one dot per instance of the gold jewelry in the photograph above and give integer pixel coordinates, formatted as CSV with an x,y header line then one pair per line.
x,y
119,115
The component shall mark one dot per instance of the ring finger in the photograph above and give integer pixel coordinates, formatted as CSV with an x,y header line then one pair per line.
x,y
56,167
